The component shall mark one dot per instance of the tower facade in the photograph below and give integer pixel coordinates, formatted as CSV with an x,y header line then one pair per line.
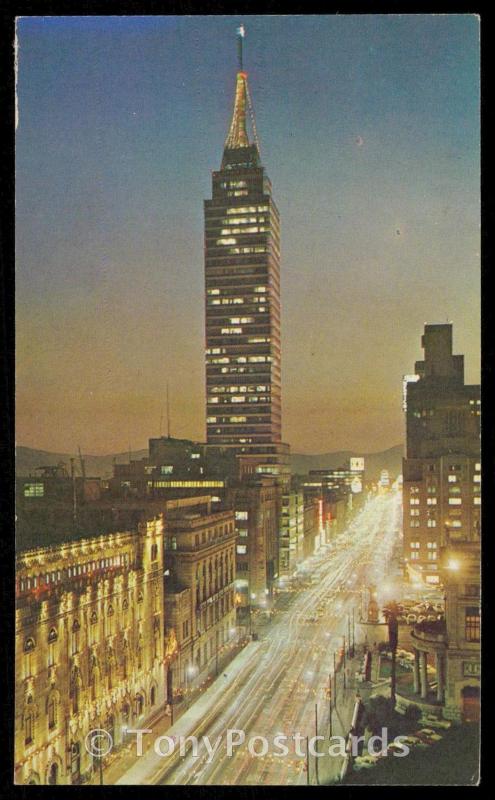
x,y
442,468
242,277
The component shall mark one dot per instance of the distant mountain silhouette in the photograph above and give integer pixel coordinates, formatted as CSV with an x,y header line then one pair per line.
x,y
28,459
390,459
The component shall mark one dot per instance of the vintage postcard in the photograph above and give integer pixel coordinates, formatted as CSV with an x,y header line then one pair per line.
x,y
248,472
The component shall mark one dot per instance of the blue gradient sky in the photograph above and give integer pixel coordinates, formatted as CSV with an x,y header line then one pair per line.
x,y
369,131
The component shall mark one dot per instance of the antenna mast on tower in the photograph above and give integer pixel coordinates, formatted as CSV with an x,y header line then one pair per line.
x,y
168,414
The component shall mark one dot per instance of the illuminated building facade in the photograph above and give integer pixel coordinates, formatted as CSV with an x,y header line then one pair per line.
x,y
257,507
242,277
200,607
89,648
442,469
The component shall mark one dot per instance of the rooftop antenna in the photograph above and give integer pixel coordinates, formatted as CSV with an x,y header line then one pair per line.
x,y
240,36
168,414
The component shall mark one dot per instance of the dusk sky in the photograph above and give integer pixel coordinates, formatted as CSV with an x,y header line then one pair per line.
x,y
369,131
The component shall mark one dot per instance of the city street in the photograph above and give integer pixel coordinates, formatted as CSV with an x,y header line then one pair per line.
x,y
288,673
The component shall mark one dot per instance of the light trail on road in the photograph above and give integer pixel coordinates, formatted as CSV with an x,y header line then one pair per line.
x,y
289,672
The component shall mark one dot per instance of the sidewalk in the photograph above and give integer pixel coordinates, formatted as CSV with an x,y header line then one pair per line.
x,y
145,769
329,766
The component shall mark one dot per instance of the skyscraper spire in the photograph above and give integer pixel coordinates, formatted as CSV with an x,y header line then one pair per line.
x,y
238,135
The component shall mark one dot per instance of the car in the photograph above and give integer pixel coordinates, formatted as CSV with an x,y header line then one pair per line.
x,y
394,748
365,762
428,734
411,741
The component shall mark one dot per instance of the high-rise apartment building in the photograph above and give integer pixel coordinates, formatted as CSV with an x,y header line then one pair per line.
x,y
442,469
242,276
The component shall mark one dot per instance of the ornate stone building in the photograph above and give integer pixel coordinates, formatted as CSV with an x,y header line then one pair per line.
x,y
89,648
200,608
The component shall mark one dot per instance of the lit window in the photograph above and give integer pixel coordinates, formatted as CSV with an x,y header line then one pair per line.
x,y
452,478
241,514
34,490
472,624
455,501
432,523
477,501
414,512
241,549
431,501
431,545
211,419
414,501
414,556
477,478
414,523
477,467
213,291
414,545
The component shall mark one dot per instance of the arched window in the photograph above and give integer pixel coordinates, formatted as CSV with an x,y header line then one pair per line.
x,y
152,696
29,646
53,774
51,709
29,722
75,636
125,604
139,704
93,618
75,762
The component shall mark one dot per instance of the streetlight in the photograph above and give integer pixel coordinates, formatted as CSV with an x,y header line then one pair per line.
x,y
191,671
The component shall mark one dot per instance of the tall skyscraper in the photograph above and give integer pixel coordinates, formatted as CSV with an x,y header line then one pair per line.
x,y
242,276
442,469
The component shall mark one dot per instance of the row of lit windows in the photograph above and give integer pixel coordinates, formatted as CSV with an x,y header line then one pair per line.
x,y
71,572
246,209
184,484
233,184
257,289
238,389
239,398
243,230
243,250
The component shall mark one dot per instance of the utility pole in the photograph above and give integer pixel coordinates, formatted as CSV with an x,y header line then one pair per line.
x,y
316,744
334,680
168,413
343,664
330,704
216,652
74,492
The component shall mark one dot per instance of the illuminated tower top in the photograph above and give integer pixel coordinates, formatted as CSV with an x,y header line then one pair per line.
x,y
238,138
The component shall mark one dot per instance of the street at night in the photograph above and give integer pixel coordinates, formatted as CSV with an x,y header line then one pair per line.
x,y
288,671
